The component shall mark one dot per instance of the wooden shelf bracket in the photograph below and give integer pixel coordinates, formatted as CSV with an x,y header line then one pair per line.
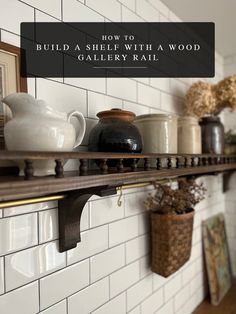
x,y
70,211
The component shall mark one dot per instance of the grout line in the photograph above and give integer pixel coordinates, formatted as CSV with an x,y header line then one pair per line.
x,y
62,17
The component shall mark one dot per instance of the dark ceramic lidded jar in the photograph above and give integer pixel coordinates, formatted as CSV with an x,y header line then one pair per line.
x,y
115,133
212,135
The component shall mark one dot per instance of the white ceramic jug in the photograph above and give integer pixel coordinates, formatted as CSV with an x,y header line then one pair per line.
x,y
35,126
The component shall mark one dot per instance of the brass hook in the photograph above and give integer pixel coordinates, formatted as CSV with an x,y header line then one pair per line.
x,y
119,201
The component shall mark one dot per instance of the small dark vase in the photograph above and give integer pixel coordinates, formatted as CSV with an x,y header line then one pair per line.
x,y
212,135
115,133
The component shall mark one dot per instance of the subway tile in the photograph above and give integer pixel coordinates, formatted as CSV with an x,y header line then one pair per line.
x,y
122,87
52,7
90,83
139,292
134,203
115,306
90,124
63,283
107,262
31,86
181,297
149,96
111,9
137,109
129,4
178,88
196,283
43,17
130,16
89,298
92,242
143,223
18,11
161,83
123,230
29,265
170,103
1,276
99,102
145,266
75,11
188,273
10,38
172,286
137,248
104,211
147,11
48,225
167,308
62,97
19,210
153,303
160,6
17,233
158,281
23,300
122,279
59,308
136,310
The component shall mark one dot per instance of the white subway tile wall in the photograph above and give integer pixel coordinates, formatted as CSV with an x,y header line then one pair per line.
x,y
109,271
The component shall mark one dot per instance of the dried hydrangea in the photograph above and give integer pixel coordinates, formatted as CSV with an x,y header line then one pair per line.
x,y
200,99
203,98
226,93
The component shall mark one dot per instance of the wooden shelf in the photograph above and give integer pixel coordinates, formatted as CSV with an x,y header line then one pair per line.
x,y
89,175
101,180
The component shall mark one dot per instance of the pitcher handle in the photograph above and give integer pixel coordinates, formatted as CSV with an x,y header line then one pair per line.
x,y
82,126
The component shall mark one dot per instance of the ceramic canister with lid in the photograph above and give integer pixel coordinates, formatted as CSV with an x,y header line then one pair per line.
x,y
115,133
189,136
159,133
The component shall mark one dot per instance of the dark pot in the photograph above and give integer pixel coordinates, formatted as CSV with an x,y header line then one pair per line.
x,y
115,133
212,135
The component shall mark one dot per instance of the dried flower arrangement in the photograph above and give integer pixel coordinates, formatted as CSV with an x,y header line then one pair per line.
x,y
226,93
200,100
204,98
175,201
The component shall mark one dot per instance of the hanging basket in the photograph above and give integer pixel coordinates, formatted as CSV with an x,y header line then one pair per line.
x,y
171,241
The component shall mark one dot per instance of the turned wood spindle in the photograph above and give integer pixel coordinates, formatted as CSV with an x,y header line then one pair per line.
x,y
120,166
29,170
83,167
158,163
177,162
146,164
169,163
204,162
199,162
192,162
210,160
104,166
185,162
59,168
134,164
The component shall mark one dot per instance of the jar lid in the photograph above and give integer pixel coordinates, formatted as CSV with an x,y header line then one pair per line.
x,y
117,113
156,116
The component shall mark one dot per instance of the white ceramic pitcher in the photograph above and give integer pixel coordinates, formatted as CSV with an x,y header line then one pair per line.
x,y
35,126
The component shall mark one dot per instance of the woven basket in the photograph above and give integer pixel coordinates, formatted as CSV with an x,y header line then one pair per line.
x,y
171,242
